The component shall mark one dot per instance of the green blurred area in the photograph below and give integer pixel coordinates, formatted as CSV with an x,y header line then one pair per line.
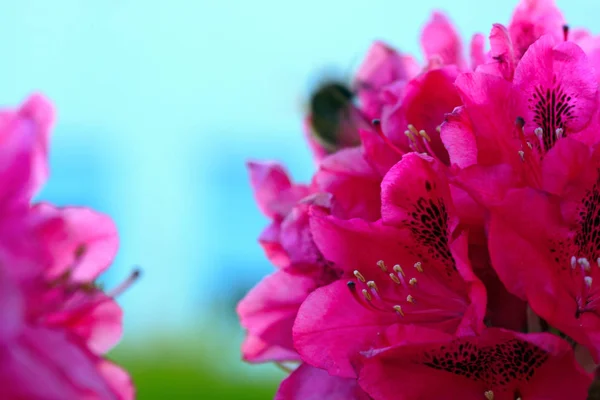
x,y
181,368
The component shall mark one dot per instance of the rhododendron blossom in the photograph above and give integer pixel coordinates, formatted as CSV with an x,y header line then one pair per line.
x,y
57,324
455,251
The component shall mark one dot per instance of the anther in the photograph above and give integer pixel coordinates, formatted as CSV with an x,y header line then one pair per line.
x,y
539,132
588,281
413,130
359,276
584,263
438,129
418,266
410,299
489,395
522,155
520,122
394,278
565,29
424,135
398,269
412,281
351,285
381,265
398,310
559,133
530,145
574,261
366,294
372,285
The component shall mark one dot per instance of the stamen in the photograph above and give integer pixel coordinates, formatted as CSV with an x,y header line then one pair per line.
x,y
366,294
438,129
398,310
410,299
372,285
377,125
522,155
574,261
398,269
381,265
530,145
489,395
559,133
394,278
135,274
565,29
584,263
539,132
418,266
424,135
359,276
414,130
588,281
412,281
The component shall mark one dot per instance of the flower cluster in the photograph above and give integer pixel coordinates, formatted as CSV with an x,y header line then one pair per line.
x,y
56,322
454,251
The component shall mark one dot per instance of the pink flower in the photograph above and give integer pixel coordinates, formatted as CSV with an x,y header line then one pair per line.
x,y
497,365
310,383
554,240
269,310
402,269
56,323
483,140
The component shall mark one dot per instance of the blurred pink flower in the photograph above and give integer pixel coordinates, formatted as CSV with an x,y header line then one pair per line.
x,y
56,323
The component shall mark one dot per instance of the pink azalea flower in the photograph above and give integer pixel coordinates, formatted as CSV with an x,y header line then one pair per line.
x,y
269,310
310,383
56,323
483,140
553,236
408,269
497,365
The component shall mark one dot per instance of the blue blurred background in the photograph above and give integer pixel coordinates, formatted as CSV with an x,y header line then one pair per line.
x,y
159,106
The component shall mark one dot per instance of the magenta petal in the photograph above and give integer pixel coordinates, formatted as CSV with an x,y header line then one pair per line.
x,y
47,364
533,19
11,306
310,383
458,138
268,312
409,183
560,71
500,361
118,380
440,39
331,328
24,135
353,183
273,189
477,50
78,239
